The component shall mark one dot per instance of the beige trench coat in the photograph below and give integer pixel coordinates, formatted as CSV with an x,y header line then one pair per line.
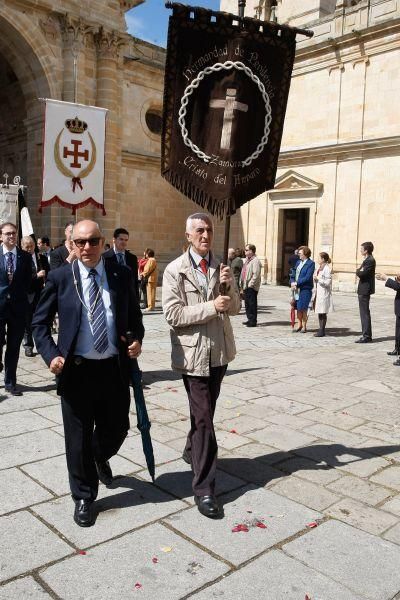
x,y
323,291
200,336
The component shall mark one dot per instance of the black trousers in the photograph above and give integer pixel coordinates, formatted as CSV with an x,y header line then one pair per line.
x,y
14,326
28,339
250,304
397,333
143,291
95,407
365,315
201,444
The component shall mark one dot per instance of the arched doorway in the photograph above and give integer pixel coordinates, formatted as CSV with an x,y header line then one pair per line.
x,y
23,81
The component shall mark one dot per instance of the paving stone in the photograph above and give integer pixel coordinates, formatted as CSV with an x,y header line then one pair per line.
x,y
339,419
362,516
228,440
27,401
250,470
283,518
309,494
53,413
293,421
389,477
359,489
243,424
164,433
364,563
18,491
132,449
177,573
282,437
316,398
22,421
260,452
317,472
393,535
129,504
24,589
283,578
53,474
333,434
278,404
27,544
392,506
29,447
176,478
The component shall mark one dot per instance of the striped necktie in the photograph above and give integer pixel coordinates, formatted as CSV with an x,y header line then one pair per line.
x,y
10,266
120,258
97,316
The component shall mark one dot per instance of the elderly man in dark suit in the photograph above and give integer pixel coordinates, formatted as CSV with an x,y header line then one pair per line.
x,y
64,253
121,255
97,305
15,280
366,287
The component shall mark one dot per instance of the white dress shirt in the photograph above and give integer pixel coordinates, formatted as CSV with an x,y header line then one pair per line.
x,y
84,344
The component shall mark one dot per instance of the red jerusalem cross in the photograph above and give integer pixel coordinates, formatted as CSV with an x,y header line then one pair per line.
x,y
229,105
76,154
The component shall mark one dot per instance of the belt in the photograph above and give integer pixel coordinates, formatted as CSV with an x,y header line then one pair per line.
x,y
80,360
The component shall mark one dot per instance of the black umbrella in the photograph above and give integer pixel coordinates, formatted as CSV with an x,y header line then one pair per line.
x,y
143,421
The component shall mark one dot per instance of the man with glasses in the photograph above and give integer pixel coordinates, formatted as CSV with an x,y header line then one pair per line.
x,y
97,306
15,281
120,254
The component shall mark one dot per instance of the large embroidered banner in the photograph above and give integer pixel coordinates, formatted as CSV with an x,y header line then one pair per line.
x,y
8,203
225,96
73,163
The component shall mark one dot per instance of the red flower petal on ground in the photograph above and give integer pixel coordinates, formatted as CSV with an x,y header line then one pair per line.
x,y
154,559
81,552
261,525
233,431
312,524
138,585
240,527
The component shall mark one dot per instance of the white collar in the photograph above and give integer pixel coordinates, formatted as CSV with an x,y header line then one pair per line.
x,y
197,258
5,251
118,251
85,271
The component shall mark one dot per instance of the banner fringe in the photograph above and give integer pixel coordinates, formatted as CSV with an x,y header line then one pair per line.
x,y
73,207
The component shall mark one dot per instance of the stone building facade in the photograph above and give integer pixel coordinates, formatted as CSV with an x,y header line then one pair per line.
x,y
339,167
42,44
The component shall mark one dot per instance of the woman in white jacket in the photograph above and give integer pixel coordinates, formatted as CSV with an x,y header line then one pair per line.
x,y
323,292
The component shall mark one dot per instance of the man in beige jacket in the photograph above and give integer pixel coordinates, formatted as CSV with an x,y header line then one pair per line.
x,y
202,346
250,281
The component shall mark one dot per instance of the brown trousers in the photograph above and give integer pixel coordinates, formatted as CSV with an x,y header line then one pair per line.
x,y
201,444
151,294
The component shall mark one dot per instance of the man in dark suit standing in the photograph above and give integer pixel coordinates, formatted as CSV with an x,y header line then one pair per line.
x,y
66,252
394,284
15,280
366,287
97,305
121,255
40,268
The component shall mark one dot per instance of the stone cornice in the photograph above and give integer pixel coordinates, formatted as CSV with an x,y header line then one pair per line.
x,y
131,158
323,153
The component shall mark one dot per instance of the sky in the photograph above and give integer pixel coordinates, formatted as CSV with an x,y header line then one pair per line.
x,y
149,21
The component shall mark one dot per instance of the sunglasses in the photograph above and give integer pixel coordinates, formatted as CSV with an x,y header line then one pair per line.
x,y
81,243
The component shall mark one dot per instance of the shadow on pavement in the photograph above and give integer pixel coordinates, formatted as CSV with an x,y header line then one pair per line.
x,y
260,471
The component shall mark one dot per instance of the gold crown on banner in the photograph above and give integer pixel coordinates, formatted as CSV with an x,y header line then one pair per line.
x,y
76,125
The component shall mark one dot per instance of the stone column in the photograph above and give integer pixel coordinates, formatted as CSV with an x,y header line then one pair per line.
x,y
108,96
74,32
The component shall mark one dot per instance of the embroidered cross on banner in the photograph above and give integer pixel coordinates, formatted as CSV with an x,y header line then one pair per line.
x,y
229,105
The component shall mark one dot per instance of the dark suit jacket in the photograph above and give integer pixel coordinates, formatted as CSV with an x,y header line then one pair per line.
x,y
14,297
37,283
131,262
306,277
395,285
58,257
366,285
60,295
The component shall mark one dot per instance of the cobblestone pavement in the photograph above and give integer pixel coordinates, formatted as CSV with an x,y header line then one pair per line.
x,y
308,430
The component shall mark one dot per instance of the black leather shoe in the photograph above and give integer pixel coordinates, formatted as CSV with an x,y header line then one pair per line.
x,y
363,340
104,472
208,506
392,353
1,366
186,457
83,513
29,352
13,390
397,363
251,324
245,323
319,334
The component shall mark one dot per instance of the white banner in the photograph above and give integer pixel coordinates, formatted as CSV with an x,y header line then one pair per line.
x,y
8,203
73,165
